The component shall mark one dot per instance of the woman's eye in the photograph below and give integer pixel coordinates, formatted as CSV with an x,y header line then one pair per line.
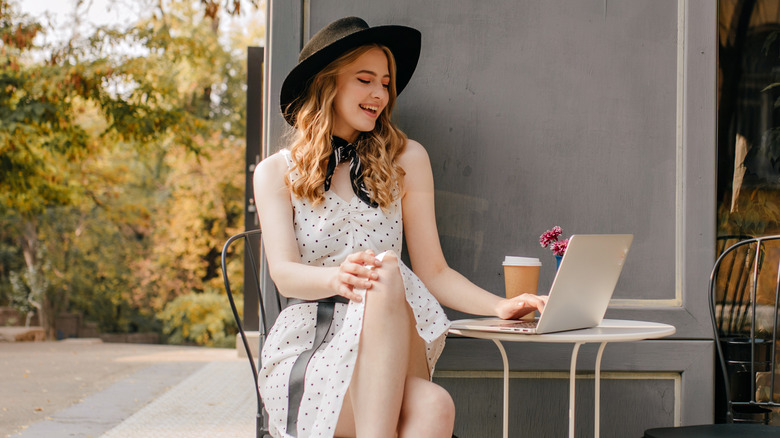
x,y
387,86
363,81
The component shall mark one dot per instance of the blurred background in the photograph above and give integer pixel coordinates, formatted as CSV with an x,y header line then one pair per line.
x,y
121,164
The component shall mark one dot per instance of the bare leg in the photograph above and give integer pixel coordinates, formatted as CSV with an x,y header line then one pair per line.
x,y
377,386
391,390
345,428
427,409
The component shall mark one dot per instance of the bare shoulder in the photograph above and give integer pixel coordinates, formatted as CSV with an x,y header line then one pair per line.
x,y
413,156
272,168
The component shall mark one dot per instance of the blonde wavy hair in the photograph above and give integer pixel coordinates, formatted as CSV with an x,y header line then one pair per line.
x,y
311,146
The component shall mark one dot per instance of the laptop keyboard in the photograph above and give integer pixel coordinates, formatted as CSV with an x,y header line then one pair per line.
x,y
521,324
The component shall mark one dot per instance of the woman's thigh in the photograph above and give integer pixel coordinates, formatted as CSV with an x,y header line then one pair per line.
x,y
418,362
345,428
417,367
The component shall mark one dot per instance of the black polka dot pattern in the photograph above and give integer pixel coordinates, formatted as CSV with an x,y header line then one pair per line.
x,y
326,234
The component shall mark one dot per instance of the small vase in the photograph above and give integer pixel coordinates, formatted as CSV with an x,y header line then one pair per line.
x,y
558,259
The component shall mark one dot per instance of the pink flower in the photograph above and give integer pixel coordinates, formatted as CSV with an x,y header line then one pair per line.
x,y
550,236
559,248
550,239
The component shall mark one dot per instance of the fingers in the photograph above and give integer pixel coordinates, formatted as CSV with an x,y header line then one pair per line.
x,y
356,272
521,305
367,258
356,281
531,298
534,301
348,284
348,293
359,266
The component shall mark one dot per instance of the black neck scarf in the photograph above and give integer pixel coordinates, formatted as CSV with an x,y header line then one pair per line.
x,y
343,151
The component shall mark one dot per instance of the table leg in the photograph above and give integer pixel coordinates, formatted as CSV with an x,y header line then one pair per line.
x,y
572,382
506,387
597,403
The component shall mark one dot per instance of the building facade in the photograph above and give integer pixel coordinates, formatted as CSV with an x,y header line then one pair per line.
x,y
594,115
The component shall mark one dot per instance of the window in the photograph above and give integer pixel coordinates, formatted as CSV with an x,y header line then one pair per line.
x,y
748,186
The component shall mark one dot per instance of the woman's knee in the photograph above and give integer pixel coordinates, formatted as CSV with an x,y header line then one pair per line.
x,y
388,289
428,407
442,404
390,263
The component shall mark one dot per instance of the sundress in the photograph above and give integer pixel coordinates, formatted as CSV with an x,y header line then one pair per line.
x,y
326,234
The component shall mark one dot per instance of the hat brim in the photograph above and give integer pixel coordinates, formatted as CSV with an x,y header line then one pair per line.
x,y
404,42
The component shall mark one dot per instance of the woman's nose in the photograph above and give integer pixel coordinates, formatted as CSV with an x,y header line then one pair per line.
x,y
378,91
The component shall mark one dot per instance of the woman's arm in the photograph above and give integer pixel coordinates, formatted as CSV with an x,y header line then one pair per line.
x,y
422,242
293,278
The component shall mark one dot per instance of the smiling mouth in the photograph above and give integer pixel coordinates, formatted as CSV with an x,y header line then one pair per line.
x,y
373,109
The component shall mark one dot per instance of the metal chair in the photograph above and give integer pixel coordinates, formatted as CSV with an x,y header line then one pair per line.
x,y
724,242
744,291
251,240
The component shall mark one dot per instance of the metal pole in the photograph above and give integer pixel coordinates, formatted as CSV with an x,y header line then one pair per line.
x,y
254,135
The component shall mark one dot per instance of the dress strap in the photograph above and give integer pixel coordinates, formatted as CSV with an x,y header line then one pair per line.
x,y
288,157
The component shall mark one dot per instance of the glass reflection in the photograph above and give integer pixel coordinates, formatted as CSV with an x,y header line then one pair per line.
x,y
748,186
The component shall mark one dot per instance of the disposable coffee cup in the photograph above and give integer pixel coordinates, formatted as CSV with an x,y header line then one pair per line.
x,y
521,276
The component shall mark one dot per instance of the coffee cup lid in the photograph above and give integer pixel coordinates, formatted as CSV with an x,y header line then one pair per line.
x,y
521,261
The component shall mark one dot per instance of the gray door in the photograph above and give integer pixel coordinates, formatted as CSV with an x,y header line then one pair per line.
x,y
595,115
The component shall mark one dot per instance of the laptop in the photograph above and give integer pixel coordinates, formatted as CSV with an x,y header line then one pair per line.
x,y
580,293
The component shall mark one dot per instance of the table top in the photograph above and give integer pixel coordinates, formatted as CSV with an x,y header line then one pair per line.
x,y
610,330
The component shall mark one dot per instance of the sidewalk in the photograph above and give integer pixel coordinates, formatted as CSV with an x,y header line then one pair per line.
x,y
86,388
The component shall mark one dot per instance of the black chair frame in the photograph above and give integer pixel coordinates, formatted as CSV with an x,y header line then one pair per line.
x,y
726,325
731,314
264,326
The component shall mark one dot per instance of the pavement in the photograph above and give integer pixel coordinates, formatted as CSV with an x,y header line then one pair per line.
x,y
88,388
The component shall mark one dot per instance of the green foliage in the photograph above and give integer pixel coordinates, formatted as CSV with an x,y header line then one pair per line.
x,y
121,169
36,129
202,319
204,209
756,213
90,254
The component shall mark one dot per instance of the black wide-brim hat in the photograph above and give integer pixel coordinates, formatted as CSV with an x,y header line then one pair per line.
x,y
336,39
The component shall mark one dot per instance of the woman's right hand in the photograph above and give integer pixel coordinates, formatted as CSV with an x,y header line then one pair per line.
x,y
521,305
356,272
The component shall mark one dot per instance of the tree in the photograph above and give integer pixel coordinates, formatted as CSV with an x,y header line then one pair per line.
x,y
37,135
94,139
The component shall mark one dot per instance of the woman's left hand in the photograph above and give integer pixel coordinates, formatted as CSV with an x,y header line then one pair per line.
x,y
521,305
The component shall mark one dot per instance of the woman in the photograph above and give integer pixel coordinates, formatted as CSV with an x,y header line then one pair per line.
x,y
353,355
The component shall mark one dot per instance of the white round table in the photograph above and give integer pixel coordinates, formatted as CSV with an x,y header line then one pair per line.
x,y
610,330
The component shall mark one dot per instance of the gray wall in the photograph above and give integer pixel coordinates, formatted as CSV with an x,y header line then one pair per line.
x,y
595,115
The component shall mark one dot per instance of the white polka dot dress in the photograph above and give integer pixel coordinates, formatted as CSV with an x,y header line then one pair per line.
x,y
326,235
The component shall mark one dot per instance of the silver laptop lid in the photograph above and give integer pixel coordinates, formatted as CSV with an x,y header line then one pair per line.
x,y
585,281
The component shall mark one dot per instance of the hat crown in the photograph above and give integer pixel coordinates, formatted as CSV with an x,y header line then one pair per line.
x,y
338,38
331,33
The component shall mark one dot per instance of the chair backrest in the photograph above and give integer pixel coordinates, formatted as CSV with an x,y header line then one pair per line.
x,y
744,291
733,275
724,242
269,305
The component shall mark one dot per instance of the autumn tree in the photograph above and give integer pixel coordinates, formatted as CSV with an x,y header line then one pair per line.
x,y
121,170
